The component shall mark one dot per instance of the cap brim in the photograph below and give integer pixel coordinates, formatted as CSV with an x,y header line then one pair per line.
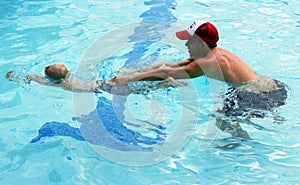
x,y
183,35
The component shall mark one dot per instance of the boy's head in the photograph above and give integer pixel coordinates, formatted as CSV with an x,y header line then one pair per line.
x,y
57,72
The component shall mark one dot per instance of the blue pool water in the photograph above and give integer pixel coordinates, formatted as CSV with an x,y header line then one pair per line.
x,y
166,136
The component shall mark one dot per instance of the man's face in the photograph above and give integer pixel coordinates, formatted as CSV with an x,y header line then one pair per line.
x,y
194,45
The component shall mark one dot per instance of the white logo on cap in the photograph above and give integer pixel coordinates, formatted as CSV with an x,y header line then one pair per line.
x,y
193,27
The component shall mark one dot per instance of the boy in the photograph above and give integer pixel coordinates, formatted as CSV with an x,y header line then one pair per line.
x,y
58,75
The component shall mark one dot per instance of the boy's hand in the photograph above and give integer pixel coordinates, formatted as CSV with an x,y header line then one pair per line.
x,y
28,77
9,75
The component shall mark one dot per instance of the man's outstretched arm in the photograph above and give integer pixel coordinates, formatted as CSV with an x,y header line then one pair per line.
x,y
150,68
191,70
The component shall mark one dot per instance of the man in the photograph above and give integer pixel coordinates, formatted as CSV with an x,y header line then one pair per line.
x,y
217,63
249,92
206,59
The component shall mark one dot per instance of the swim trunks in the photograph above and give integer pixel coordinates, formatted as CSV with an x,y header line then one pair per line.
x,y
241,102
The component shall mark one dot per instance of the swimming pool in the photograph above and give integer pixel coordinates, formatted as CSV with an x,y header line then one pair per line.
x,y
35,34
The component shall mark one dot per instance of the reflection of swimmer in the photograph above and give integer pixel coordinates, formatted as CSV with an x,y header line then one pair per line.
x,y
58,75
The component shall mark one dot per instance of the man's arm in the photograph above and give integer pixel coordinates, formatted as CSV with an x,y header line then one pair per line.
x,y
181,63
174,64
168,64
192,70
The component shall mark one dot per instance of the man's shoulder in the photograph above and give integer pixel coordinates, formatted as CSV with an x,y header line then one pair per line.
x,y
220,54
223,54
221,51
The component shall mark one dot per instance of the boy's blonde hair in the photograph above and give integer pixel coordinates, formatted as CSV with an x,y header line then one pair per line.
x,y
57,72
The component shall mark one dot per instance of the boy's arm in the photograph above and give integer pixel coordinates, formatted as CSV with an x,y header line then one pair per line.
x,y
16,78
71,85
39,79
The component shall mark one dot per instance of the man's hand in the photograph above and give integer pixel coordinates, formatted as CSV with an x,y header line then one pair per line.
x,y
126,70
119,80
175,82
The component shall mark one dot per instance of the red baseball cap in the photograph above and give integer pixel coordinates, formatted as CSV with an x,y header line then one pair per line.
x,y
205,30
